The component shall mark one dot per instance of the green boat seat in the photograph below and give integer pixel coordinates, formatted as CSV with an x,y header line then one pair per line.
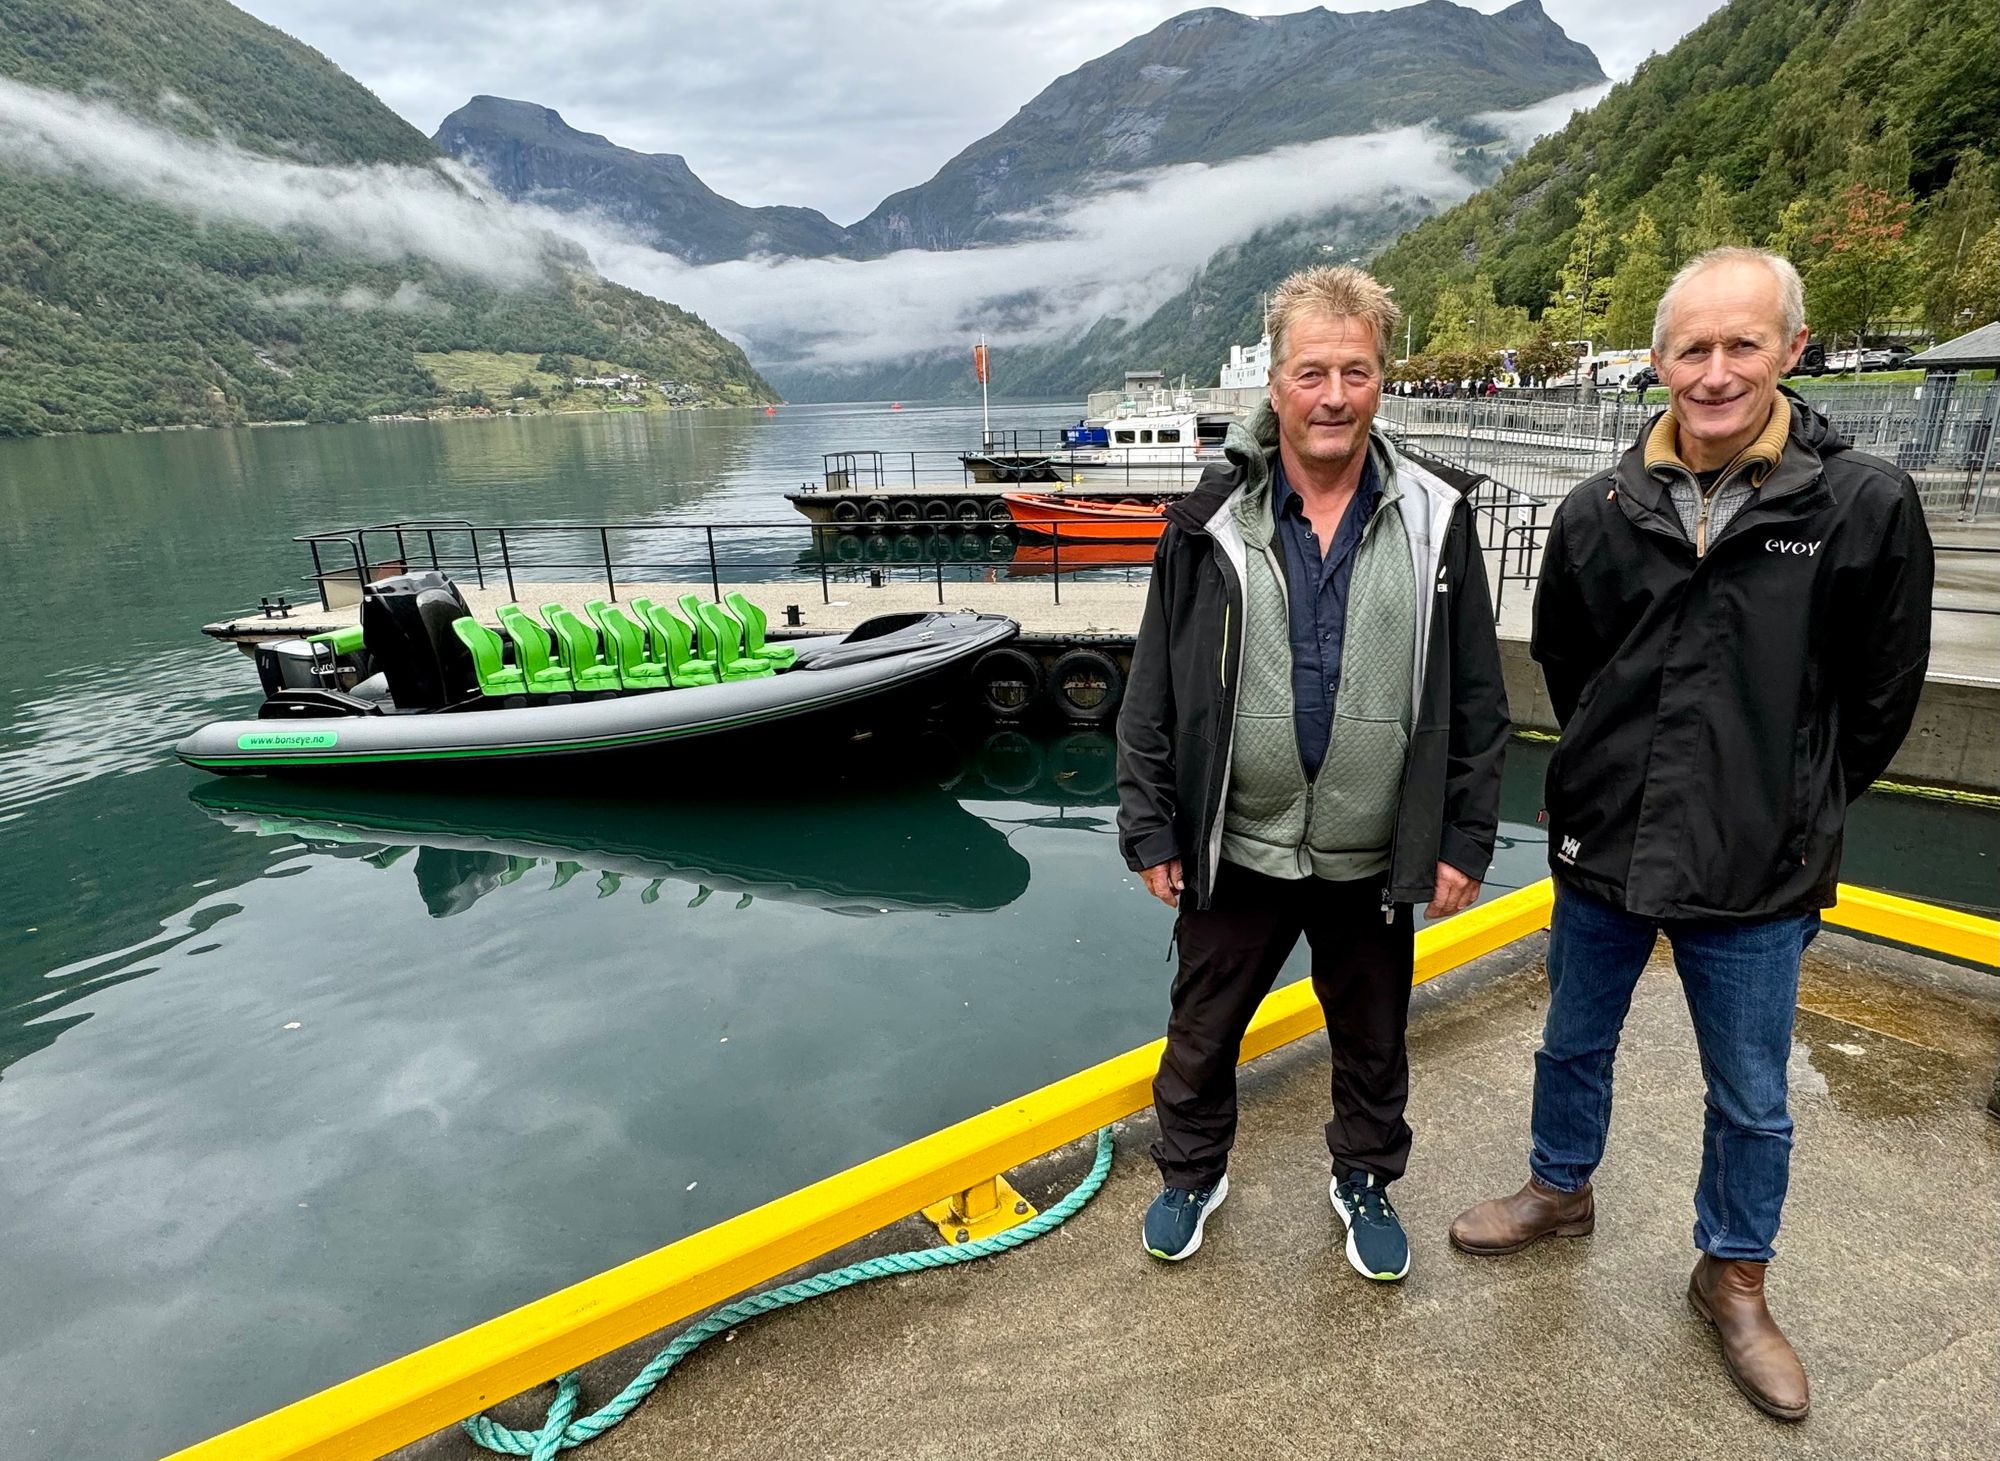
x,y
531,653
344,640
691,611
626,642
656,649
489,658
727,636
777,656
683,667
691,607
577,645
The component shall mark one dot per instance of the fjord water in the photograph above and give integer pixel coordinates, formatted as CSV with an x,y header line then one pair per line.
x,y
293,1080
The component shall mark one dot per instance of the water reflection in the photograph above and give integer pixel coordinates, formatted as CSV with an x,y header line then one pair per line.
x,y
910,848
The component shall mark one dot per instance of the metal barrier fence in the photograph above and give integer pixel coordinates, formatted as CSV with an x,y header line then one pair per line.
x,y
1941,431
620,555
1010,463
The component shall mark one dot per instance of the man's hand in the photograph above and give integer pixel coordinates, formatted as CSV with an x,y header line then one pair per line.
x,y
1454,892
1164,882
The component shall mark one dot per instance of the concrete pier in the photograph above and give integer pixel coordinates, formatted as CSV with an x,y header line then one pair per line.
x,y
1267,1344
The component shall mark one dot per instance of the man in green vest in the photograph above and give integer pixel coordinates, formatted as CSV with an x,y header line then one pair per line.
x,y
1310,743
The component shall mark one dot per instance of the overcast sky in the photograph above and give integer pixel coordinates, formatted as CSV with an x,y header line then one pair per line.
x,y
830,105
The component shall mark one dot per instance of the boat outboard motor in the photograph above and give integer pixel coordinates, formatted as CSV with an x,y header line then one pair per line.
x,y
406,623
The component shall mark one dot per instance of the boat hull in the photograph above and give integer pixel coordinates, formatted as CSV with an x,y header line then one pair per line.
x,y
842,680
1076,522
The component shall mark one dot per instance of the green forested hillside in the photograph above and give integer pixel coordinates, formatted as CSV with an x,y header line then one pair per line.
x,y
201,66
119,313
1857,136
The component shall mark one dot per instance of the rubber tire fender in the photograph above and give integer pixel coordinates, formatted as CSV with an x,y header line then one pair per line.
x,y
1015,665
1099,664
846,512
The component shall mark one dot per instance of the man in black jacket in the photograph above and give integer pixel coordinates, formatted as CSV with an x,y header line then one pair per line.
x,y
1310,742
1734,623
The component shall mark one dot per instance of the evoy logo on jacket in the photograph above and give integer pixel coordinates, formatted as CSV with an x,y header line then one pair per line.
x,y
1791,546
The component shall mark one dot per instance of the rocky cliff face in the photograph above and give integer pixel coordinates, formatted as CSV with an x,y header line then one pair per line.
x,y
1206,86
1212,85
530,153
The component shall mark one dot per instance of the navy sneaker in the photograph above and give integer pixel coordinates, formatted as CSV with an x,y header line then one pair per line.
x,y
1376,1246
1174,1221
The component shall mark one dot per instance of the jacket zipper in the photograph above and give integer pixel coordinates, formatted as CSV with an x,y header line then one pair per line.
x,y
1219,778
1428,597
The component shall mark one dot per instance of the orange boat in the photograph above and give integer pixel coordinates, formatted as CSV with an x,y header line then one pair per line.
x,y
1034,560
1085,522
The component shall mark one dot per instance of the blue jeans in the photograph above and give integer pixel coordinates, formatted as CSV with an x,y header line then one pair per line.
x,y
1742,986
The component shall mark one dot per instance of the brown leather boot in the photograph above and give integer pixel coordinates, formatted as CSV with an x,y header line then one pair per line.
x,y
1730,1295
1509,1224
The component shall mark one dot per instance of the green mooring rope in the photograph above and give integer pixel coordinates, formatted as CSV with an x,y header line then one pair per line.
x,y
562,1430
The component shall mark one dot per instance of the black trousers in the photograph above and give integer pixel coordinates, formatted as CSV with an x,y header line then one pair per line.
x,y
1230,955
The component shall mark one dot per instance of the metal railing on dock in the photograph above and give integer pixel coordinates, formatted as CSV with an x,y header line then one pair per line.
x,y
1009,459
616,554
1941,431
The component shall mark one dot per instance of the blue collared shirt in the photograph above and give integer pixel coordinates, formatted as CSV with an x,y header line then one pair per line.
x,y
1316,586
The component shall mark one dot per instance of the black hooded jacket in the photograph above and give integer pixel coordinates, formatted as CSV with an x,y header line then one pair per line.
x,y
1719,714
1178,719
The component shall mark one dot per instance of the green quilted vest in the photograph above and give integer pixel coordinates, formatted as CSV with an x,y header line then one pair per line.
x,y
1340,825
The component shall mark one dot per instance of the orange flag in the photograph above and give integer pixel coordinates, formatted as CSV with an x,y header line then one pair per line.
x,y
979,363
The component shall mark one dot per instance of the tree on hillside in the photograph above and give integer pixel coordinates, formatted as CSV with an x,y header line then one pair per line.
x,y
1576,307
1979,287
1451,321
1867,266
1466,317
1543,356
1714,222
1956,220
1637,286
1793,235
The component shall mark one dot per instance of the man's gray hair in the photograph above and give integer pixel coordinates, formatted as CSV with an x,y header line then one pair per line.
x,y
1791,289
1332,291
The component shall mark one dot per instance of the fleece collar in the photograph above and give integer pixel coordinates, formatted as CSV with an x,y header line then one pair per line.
x,y
1758,459
1252,444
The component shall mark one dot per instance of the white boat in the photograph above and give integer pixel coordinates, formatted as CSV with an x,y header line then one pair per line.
x,y
1249,367
1150,426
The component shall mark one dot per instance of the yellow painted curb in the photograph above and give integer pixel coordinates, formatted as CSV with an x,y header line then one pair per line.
x,y
1920,925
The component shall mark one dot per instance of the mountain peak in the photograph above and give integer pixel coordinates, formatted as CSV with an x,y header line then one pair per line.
x,y
528,151
1211,85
